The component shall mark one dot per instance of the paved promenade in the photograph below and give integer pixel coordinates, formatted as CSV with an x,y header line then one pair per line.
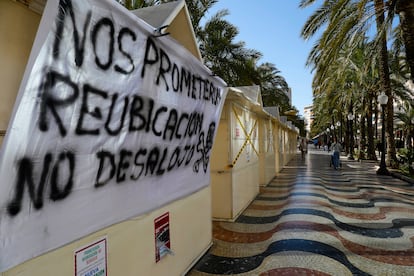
x,y
314,220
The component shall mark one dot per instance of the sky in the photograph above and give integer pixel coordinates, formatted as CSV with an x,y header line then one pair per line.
x,y
273,28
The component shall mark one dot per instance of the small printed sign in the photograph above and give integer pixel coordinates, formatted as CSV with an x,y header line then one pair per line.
x,y
237,132
91,259
162,236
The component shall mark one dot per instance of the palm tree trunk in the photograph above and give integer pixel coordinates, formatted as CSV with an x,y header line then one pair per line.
x,y
384,75
362,134
346,138
405,9
370,130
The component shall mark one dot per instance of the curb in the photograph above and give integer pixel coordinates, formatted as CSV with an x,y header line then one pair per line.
x,y
402,177
393,173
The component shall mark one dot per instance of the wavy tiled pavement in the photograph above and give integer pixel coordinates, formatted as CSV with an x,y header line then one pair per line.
x,y
313,220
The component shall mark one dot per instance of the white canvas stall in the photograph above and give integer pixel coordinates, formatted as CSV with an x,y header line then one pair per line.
x,y
110,122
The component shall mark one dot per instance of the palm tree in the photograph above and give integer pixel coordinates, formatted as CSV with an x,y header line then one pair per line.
x,y
406,116
365,78
273,86
405,10
234,63
198,10
354,83
227,58
137,4
384,76
346,20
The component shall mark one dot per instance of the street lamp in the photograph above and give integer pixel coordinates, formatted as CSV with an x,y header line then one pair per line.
x,y
351,137
338,124
328,138
382,100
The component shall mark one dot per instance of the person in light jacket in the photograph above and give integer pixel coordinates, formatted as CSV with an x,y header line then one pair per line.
x,y
336,150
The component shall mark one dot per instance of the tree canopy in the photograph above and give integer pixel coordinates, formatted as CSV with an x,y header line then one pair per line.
x,y
230,59
353,62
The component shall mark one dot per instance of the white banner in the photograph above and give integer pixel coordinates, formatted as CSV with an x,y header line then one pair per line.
x,y
111,122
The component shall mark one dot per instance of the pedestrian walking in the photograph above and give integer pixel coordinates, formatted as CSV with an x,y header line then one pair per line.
x,y
336,151
303,147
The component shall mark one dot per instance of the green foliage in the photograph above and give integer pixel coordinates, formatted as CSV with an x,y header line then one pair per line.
x,y
230,59
406,158
137,4
273,86
336,57
233,62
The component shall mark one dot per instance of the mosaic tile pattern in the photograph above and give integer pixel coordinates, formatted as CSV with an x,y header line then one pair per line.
x,y
314,220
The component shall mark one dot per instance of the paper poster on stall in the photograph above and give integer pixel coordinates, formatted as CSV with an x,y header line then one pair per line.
x,y
91,260
111,122
162,236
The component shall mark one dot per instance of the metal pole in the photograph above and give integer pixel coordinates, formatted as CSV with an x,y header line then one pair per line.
x,y
383,167
351,141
